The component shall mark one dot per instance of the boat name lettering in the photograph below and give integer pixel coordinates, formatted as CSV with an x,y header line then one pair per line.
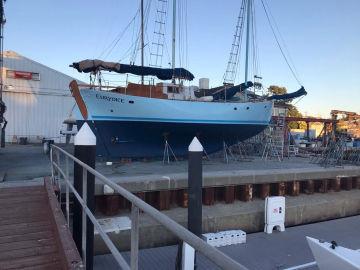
x,y
110,98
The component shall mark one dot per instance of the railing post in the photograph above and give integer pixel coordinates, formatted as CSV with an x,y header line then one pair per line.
x,y
52,166
85,146
83,219
186,252
67,199
134,261
58,176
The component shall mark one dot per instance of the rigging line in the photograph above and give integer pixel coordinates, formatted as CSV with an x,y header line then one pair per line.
x,y
137,46
240,40
255,40
298,100
147,12
119,37
282,40
253,43
165,34
278,43
179,30
158,39
186,33
182,37
232,66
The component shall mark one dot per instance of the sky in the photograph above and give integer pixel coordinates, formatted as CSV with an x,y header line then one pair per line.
x,y
322,38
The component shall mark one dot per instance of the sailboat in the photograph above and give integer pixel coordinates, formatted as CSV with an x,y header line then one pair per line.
x,y
140,120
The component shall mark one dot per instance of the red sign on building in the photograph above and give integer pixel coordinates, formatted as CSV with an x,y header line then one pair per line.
x,y
23,75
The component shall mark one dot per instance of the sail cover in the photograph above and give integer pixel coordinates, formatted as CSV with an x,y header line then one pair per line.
x,y
223,92
95,65
296,94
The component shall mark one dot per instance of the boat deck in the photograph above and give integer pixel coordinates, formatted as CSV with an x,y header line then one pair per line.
x,y
33,231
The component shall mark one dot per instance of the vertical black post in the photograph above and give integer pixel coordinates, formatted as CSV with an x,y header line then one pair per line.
x,y
195,182
194,201
85,146
2,135
308,131
195,187
324,135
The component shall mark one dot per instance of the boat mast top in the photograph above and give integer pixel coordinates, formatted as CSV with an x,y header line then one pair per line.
x,y
142,38
248,20
173,35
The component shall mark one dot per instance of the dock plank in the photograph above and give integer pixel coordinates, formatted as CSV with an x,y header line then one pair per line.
x,y
31,230
18,220
27,252
33,261
47,266
14,231
29,236
26,244
24,225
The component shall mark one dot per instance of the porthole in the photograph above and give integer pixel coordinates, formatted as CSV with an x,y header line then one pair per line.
x,y
131,101
235,108
111,110
247,108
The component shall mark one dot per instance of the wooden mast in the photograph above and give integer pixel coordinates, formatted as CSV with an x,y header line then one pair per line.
x,y
142,38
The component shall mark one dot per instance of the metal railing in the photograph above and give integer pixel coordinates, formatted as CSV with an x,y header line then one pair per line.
x,y
213,254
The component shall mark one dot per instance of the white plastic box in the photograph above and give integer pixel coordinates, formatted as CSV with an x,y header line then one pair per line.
x,y
225,238
274,214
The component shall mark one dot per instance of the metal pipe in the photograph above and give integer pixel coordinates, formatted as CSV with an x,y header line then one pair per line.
x,y
117,255
84,227
67,199
173,35
2,22
142,38
213,254
302,266
134,258
247,46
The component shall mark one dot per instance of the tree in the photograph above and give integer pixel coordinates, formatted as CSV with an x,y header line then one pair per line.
x,y
277,90
292,110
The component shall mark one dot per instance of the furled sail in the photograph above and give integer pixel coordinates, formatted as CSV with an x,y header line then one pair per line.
x,y
223,92
95,65
296,94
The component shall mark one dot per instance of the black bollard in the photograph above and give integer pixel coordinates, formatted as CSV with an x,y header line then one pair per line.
x,y
195,187
186,257
2,135
85,150
187,253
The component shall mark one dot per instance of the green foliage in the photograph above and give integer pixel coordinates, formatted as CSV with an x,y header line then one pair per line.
x,y
277,90
292,110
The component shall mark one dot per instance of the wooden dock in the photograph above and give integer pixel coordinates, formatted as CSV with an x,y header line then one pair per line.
x,y
33,230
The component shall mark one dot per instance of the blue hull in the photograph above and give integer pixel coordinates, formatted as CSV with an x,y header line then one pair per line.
x,y
131,139
133,126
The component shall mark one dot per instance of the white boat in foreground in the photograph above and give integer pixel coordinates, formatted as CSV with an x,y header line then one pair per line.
x,y
333,257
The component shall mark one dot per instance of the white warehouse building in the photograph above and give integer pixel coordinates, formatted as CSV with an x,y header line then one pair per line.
x,y
37,98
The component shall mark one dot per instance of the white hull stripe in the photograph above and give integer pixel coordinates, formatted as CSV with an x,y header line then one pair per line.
x,y
139,119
